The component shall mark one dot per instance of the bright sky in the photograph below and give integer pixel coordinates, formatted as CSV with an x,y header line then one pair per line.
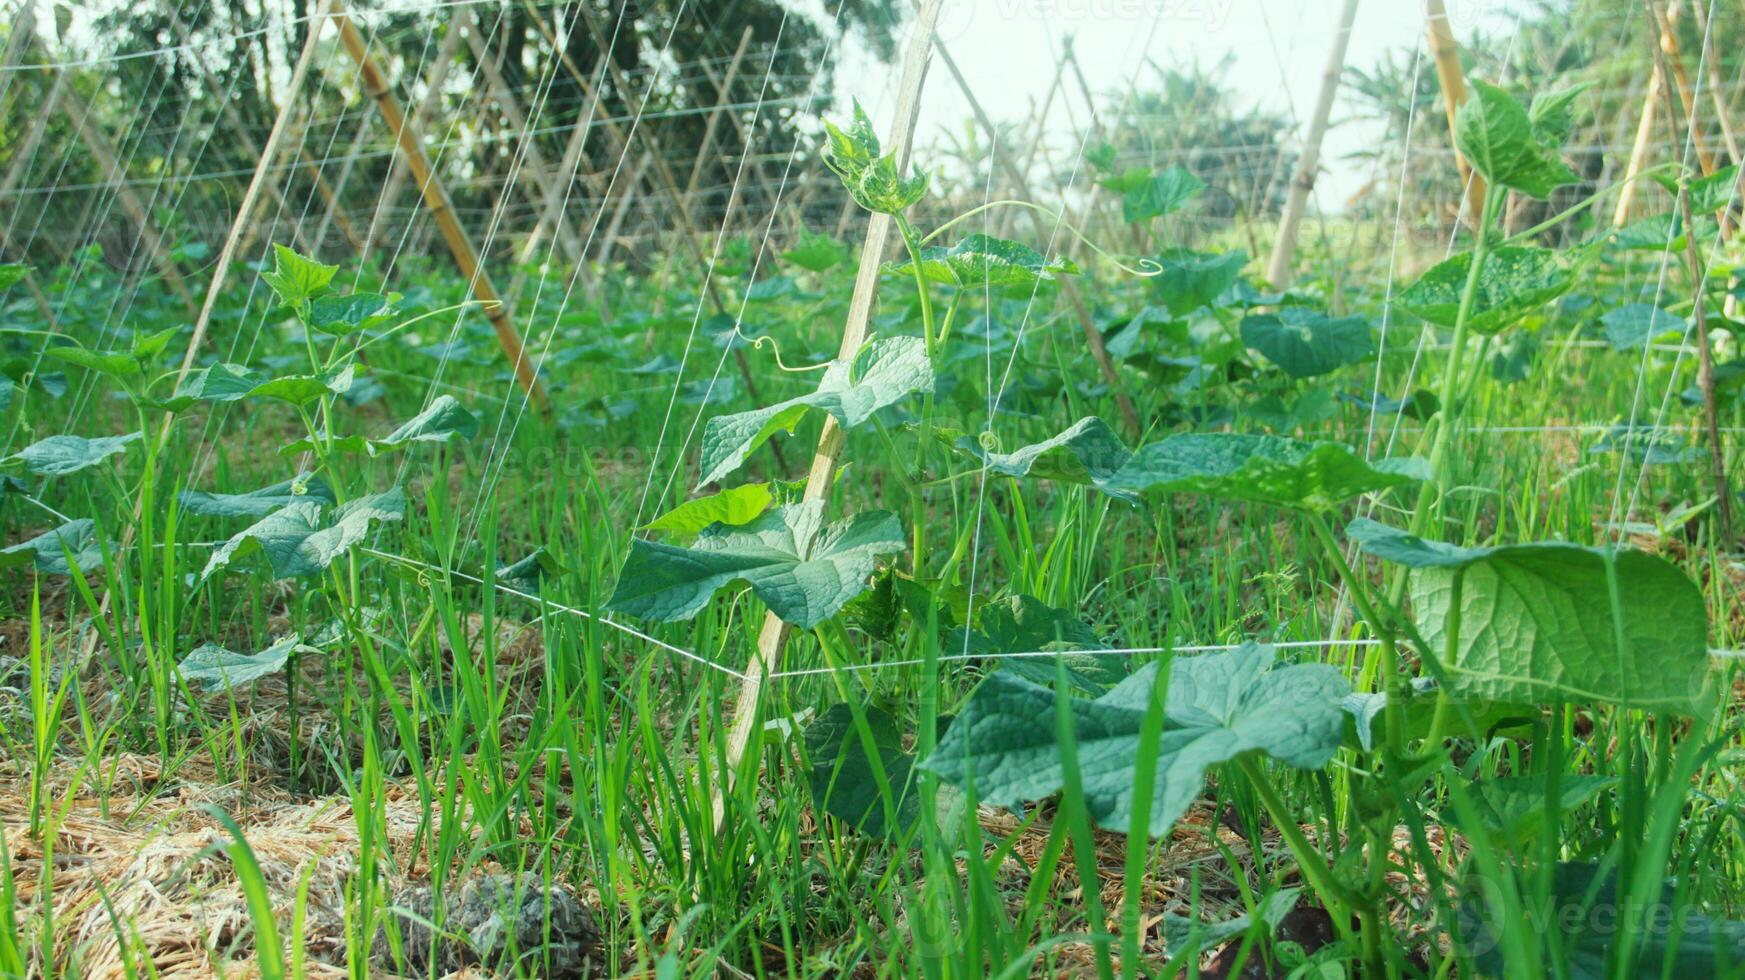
x,y
1007,50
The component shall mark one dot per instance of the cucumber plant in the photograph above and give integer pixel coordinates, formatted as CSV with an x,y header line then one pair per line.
x,y
1467,640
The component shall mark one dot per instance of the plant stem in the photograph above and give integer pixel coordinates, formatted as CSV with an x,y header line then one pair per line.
x,y
1337,898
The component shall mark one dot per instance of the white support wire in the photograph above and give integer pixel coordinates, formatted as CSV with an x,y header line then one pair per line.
x,y
1181,648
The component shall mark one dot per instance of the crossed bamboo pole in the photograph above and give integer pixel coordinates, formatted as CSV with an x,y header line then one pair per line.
x,y
441,208
1068,290
880,227
1445,51
1284,248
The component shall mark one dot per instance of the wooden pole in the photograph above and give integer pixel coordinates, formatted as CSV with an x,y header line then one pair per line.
x,y
441,209
17,46
32,140
1638,149
1284,247
104,153
723,93
551,215
238,125
329,199
533,159
688,227
245,207
1698,276
1717,90
822,474
432,98
1446,52
1670,57
1068,291
334,211
615,226
760,176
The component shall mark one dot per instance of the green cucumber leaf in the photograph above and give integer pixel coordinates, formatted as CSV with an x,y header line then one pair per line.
x,y
218,383
1536,622
1552,114
113,363
816,252
983,260
843,781
297,279
1182,935
884,372
302,389
1496,135
735,506
1636,325
805,573
872,180
1313,476
63,455
1513,807
1025,624
257,503
442,420
341,315
1514,282
531,573
301,540
1088,452
1155,195
216,669
1218,707
1583,913
1190,280
48,552
1307,343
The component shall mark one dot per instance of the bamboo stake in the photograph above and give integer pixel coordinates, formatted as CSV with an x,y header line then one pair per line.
x,y
32,139
1716,89
1446,51
17,46
615,226
1068,291
104,152
1698,276
723,87
298,132
533,159
421,113
238,126
334,211
1638,150
551,216
1651,102
688,228
441,209
1284,247
1670,57
760,176
329,199
822,475
245,207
